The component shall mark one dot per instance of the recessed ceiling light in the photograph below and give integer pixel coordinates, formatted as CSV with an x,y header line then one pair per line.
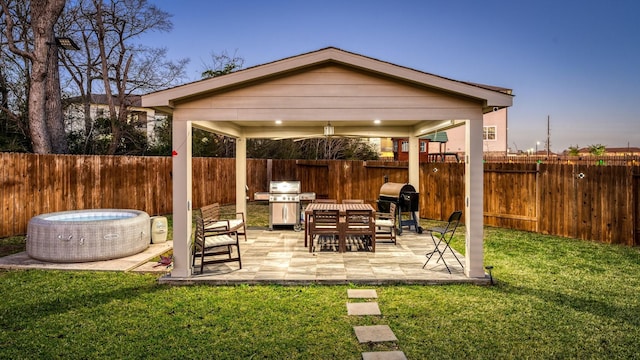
x,y
278,122
376,121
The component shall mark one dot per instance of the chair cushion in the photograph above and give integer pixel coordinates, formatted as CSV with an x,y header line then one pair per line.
x,y
384,222
233,223
326,227
358,227
218,240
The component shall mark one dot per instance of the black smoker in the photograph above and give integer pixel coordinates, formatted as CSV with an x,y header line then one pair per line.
x,y
407,200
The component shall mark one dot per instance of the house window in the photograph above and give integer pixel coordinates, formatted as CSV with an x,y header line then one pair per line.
x,y
405,146
423,146
100,112
489,133
395,146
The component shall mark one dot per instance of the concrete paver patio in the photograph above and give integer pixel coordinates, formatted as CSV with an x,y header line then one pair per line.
x,y
280,257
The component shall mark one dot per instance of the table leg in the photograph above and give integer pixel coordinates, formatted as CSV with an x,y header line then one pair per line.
x,y
306,228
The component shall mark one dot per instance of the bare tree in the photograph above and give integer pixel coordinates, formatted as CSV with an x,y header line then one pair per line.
x,y
116,25
81,66
43,15
14,85
222,64
336,148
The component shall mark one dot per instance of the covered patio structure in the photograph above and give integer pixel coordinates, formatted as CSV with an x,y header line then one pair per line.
x,y
297,97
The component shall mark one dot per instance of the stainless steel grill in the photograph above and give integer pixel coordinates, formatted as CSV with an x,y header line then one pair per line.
x,y
284,203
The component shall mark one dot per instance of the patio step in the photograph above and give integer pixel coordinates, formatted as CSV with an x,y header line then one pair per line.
x,y
375,333
384,355
361,294
366,308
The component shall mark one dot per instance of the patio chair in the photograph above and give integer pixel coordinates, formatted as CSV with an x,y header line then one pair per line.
x,y
386,224
444,235
214,247
325,201
325,225
353,201
212,217
360,229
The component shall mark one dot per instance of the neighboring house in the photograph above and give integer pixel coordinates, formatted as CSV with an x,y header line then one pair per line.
x,y
452,141
146,118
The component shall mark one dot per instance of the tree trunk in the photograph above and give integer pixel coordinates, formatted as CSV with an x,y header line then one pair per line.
x,y
40,140
104,59
44,14
55,121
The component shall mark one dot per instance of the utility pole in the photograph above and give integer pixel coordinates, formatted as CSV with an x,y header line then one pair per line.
x,y
548,137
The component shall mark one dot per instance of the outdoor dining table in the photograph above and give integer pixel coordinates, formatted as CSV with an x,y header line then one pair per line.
x,y
342,208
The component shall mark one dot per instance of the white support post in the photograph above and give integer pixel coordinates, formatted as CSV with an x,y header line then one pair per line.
x,y
241,175
182,201
414,165
414,161
474,189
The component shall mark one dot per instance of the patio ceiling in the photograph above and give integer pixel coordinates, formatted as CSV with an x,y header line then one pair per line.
x,y
308,129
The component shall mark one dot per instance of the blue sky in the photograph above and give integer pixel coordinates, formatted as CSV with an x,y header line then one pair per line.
x,y
575,61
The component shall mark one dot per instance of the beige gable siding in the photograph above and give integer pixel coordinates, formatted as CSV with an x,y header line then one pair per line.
x,y
341,93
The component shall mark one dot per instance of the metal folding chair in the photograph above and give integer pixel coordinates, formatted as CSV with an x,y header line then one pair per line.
x,y
444,234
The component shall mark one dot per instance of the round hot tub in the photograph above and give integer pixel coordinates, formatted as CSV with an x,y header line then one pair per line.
x,y
88,235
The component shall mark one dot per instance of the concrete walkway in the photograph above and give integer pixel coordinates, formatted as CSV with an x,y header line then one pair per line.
x,y
139,262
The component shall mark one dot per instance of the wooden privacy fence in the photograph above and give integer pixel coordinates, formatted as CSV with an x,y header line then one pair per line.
x,y
600,203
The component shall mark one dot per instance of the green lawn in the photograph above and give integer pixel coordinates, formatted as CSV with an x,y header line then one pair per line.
x,y
554,298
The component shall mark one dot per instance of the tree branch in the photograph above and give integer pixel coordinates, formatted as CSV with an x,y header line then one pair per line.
x,y
8,31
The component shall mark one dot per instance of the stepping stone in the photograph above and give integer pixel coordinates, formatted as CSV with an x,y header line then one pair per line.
x,y
374,334
361,294
384,355
366,308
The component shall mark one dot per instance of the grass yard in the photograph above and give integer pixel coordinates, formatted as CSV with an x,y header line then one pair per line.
x,y
554,298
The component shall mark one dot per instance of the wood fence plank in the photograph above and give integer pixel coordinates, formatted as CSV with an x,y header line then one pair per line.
x,y
603,205
5,159
12,194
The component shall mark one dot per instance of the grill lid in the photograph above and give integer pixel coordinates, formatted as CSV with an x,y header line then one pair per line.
x,y
393,190
284,187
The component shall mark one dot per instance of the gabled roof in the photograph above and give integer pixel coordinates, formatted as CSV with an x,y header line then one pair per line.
x,y
438,136
491,96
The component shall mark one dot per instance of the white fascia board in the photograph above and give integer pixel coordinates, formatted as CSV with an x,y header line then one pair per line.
x,y
219,127
430,127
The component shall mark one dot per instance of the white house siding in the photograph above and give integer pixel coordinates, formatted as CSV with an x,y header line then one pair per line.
x,y
74,117
456,136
